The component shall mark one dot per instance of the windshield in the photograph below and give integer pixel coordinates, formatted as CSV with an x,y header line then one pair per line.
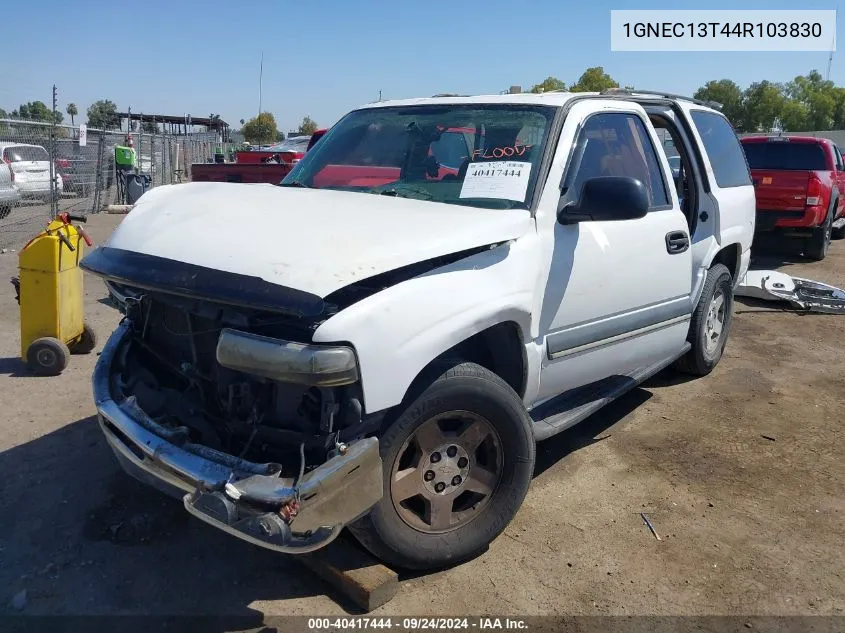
x,y
296,144
480,155
785,155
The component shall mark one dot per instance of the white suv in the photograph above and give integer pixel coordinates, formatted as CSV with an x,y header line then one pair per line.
x,y
31,167
380,341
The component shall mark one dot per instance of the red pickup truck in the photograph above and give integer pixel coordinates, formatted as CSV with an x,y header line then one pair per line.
x,y
263,166
800,187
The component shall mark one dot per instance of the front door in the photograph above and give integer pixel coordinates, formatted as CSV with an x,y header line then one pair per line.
x,y
617,296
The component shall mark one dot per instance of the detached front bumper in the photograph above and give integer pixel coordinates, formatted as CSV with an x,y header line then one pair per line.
x,y
246,499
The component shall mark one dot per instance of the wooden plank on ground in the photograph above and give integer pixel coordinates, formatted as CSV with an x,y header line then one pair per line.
x,y
355,573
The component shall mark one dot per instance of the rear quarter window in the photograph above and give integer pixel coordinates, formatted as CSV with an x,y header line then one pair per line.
x,y
723,148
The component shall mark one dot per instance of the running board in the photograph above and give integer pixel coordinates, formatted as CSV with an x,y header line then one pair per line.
x,y
567,409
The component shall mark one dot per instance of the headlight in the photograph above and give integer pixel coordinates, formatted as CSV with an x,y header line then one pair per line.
x,y
285,361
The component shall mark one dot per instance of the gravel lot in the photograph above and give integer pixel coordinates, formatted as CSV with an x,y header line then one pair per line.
x,y
741,473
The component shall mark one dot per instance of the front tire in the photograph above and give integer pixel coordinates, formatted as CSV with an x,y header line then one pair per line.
x,y
458,460
711,323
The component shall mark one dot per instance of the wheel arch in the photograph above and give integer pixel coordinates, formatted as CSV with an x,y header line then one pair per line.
x,y
731,257
500,348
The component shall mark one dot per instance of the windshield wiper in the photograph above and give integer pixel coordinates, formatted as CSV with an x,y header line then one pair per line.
x,y
294,183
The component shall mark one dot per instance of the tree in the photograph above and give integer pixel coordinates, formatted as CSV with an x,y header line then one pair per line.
x,y
3,114
308,126
594,80
549,84
72,110
103,114
260,129
764,102
793,117
37,111
727,93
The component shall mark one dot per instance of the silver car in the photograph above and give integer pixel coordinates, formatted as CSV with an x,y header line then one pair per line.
x,y
10,196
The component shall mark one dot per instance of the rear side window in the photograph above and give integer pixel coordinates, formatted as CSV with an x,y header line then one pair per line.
x,y
838,155
723,148
19,153
785,156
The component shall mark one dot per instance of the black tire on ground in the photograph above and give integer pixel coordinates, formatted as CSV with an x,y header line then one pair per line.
x,y
703,357
47,356
5,210
86,343
818,243
459,387
836,234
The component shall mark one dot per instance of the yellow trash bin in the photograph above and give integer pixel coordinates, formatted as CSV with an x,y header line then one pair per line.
x,y
51,298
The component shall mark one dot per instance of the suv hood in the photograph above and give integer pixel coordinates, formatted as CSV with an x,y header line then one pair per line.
x,y
314,241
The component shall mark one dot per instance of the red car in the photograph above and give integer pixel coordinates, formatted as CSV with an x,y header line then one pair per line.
x,y
800,187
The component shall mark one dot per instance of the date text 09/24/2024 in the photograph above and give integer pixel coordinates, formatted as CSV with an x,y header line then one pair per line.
x,y
417,623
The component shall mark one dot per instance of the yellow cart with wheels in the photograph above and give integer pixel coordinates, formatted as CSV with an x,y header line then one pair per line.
x,y
51,298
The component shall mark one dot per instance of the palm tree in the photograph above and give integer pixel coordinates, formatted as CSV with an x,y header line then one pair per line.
x,y
72,111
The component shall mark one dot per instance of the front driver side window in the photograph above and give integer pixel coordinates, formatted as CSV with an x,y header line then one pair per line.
x,y
616,144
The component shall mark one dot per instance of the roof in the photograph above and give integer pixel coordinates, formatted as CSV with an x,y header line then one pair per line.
x,y
164,118
760,138
5,144
544,98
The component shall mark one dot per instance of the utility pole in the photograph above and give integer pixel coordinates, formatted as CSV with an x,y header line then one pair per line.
x,y
830,57
260,81
379,95
54,190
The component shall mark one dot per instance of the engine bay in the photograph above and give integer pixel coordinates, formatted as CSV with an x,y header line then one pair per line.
x,y
170,367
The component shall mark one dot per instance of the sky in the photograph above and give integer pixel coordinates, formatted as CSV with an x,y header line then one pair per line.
x,y
324,57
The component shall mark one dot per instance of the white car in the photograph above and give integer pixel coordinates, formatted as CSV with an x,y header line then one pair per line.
x,y
380,342
31,166
9,194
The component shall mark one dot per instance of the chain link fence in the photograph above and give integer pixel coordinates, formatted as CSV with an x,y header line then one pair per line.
x,y
45,170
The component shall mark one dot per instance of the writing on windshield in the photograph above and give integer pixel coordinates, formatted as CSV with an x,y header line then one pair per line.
x,y
443,153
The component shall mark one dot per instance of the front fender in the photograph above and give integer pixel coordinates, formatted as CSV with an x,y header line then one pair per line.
x,y
400,330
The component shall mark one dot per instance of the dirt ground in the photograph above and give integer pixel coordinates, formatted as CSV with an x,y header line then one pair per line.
x,y
741,473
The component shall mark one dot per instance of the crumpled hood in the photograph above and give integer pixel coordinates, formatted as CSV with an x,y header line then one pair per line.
x,y
315,241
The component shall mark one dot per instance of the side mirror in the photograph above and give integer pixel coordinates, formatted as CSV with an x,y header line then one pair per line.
x,y
606,198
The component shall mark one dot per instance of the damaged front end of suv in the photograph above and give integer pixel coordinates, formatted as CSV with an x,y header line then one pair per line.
x,y
211,390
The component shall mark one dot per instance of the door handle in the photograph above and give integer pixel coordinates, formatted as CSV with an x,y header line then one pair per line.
x,y
676,242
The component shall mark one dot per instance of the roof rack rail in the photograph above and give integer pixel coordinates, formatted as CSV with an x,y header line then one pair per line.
x,y
447,94
654,93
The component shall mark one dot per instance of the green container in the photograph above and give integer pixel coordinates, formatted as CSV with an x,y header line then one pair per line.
x,y
124,157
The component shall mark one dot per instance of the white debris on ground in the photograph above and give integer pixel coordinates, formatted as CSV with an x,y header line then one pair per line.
x,y
803,294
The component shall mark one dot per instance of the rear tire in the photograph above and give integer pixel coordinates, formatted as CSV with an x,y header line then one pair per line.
x,y
819,241
444,420
838,233
86,343
711,323
5,210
